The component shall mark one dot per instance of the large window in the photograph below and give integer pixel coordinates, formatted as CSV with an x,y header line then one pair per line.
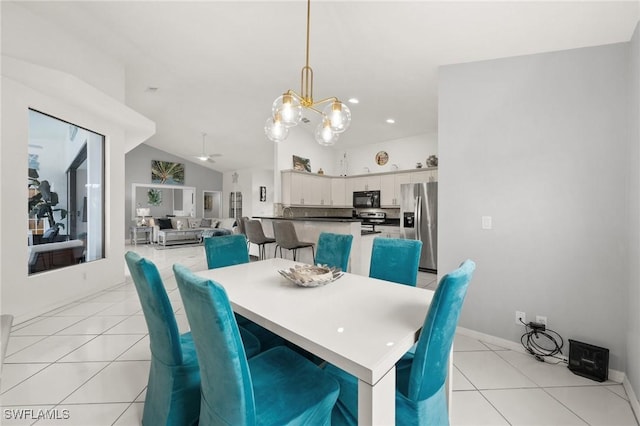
x,y
66,194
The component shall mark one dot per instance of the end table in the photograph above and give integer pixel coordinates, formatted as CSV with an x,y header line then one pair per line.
x,y
147,232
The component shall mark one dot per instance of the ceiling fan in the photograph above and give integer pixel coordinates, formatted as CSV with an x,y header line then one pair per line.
x,y
204,156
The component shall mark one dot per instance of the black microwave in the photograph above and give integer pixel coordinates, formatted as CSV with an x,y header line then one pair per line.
x,y
366,199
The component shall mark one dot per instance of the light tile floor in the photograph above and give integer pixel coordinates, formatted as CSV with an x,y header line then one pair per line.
x,y
88,362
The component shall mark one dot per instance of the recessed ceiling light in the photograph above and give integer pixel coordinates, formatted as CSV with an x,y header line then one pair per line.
x,y
152,89
354,101
390,120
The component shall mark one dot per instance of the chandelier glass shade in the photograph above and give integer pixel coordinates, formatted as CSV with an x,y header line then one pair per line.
x,y
287,109
275,129
324,134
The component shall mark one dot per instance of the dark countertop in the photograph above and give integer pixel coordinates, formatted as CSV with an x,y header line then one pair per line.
x,y
312,219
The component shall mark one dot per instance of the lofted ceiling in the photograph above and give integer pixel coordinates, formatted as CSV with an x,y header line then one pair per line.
x,y
218,66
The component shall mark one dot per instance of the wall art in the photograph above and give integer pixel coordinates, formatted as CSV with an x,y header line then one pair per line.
x,y
167,172
301,164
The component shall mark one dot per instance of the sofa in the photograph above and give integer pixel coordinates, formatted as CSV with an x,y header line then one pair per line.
x,y
44,257
188,230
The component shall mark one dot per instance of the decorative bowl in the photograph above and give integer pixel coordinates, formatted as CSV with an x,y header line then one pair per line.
x,y
311,275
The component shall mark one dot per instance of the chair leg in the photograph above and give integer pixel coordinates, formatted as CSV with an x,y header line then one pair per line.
x,y
313,255
275,251
295,252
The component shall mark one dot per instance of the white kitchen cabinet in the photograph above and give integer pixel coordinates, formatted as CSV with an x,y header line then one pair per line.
x,y
324,187
285,187
292,192
311,187
306,189
387,190
372,183
358,183
301,189
349,185
339,193
366,183
390,188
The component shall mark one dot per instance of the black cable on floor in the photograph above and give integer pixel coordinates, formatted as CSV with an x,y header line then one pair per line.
x,y
542,342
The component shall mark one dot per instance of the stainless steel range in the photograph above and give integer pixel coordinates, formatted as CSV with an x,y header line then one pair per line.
x,y
370,220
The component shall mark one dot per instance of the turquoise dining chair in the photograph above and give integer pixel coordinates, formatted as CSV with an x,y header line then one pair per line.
x,y
334,249
276,387
231,250
421,397
173,389
396,260
226,250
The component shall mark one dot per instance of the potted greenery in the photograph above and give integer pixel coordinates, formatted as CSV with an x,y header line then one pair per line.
x,y
42,201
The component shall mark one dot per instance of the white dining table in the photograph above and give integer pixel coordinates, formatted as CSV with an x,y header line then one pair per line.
x,y
360,324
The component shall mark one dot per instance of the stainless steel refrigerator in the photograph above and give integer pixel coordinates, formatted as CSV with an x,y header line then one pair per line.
x,y
419,220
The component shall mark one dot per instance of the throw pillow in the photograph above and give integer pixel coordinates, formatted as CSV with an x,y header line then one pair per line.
x,y
194,222
164,223
205,223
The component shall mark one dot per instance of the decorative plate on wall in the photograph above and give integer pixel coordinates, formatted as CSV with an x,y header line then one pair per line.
x,y
381,158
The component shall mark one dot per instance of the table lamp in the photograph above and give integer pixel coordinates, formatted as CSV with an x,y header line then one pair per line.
x,y
143,212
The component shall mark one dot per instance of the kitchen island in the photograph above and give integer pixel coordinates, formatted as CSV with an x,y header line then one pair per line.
x,y
309,229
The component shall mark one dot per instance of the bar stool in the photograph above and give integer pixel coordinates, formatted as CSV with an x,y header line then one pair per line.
x,y
255,235
287,238
241,229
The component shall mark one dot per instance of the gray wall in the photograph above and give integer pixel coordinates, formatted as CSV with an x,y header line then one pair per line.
x,y
633,327
540,143
138,170
166,206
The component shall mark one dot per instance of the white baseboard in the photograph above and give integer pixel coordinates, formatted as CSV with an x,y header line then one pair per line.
x,y
633,399
614,375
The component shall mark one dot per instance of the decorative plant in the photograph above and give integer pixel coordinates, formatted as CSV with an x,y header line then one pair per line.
x,y
154,197
42,200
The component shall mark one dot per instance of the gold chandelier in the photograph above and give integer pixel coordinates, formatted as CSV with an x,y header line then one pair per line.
x,y
287,109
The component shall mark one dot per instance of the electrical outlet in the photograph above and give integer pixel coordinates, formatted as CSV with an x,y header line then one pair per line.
x,y
541,320
521,316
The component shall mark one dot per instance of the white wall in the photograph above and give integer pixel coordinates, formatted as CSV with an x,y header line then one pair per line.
x,y
404,153
262,178
633,298
540,144
26,296
302,143
49,71
249,182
